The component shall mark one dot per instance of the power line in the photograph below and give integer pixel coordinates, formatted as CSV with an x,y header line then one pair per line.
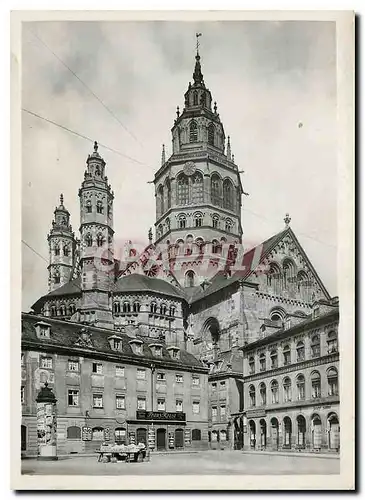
x,y
84,137
87,87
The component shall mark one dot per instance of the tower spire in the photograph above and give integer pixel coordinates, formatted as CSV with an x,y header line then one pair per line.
x,y
229,149
197,75
163,155
61,200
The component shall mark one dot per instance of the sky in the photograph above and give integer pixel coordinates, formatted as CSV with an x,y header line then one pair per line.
x,y
275,87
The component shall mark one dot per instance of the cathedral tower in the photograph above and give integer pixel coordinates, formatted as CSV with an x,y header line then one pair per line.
x,y
96,243
198,189
62,248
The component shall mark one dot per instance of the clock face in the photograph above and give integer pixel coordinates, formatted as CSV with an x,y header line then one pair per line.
x,y
189,168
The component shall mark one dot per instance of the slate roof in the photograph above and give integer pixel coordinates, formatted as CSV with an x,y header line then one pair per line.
x,y
64,335
141,283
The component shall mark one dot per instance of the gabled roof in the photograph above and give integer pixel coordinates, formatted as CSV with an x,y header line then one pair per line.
x,y
64,335
249,265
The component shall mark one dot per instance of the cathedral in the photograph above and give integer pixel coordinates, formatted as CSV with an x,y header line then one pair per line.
x,y
193,294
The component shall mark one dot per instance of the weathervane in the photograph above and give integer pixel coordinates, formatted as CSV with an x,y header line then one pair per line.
x,y
197,42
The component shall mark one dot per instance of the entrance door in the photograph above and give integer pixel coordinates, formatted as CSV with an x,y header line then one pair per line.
x,y
23,438
161,439
263,433
179,438
334,433
317,432
142,436
274,434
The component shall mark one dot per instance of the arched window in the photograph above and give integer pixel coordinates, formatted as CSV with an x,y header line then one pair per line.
x,y
197,192
223,435
198,220
196,435
332,379
172,310
99,207
251,365
66,251
182,221
301,387
73,432
120,435
274,278
316,384
193,132
228,197
203,99
126,307
98,434
57,249
168,194
153,307
262,361
136,307
274,392
274,358
195,98
53,311
160,200
215,221
287,432
262,388
287,389
163,309
315,346
300,351
57,277
287,355
229,225
332,342
89,240
215,190
190,279
88,206
99,240
72,309
289,272
160,230
116,307
62,310
182,190
216,247
252,395
211,130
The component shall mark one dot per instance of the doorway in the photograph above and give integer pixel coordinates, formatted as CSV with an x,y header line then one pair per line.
x,y
142,436
161,439
316,432
263,434
301,431
179,438
334,432
274,434
252,427
23,438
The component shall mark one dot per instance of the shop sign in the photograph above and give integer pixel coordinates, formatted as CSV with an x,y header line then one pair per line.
x,y
86,433
160,415
255,413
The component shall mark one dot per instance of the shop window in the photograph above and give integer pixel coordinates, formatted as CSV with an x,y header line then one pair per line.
x,y
120,435
98,434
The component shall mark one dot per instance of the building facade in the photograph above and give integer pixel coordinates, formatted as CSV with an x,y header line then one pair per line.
x,y
111,387
291,391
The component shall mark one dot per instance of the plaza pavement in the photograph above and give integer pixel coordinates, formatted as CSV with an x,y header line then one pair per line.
x,y
202,463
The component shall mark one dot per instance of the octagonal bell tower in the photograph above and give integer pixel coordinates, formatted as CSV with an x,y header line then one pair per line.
x,y
198,188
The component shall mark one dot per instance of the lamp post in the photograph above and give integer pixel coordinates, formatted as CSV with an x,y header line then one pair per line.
x,y
46,424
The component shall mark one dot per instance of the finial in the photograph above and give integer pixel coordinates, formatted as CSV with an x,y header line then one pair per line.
x,y
96,147
197,42
287,220
233,158
163,156
46,384
215,107
228,149
178,111
61,199
150,235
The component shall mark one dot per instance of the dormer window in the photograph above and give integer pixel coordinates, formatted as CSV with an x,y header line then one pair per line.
x,y
43,330
174,352
136,345
156,349
115,342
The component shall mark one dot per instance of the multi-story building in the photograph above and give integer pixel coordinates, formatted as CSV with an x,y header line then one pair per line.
x,y
111,386
291,393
